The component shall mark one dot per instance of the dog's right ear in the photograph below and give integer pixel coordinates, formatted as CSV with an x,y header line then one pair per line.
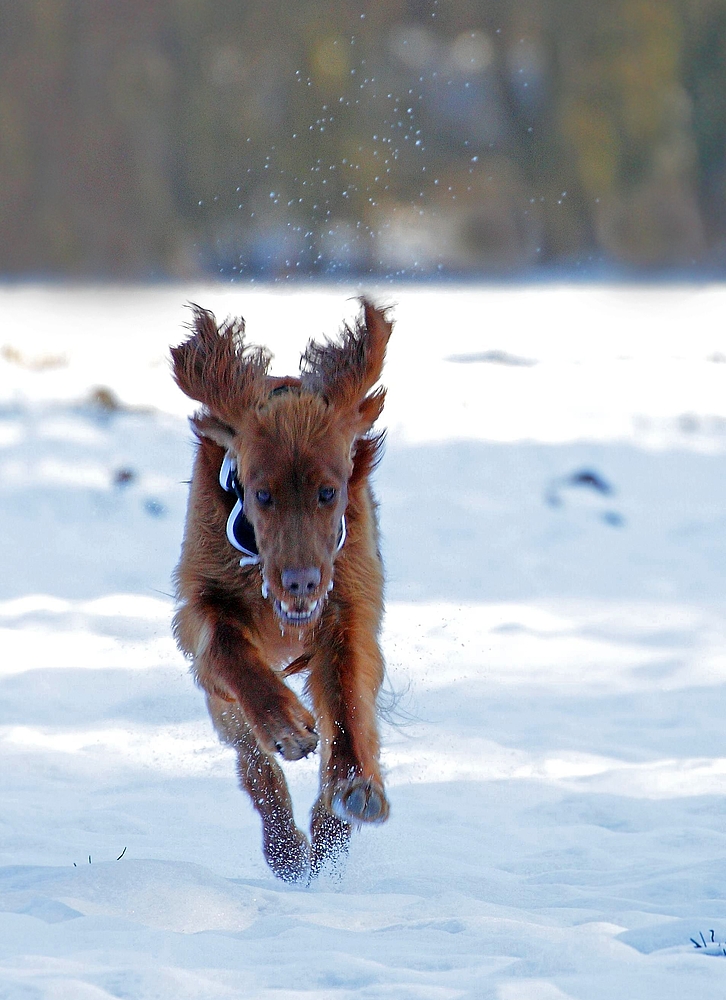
x,y
215,367
205,425
345,371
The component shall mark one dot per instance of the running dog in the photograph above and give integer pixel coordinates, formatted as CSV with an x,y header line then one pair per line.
x,y
280,572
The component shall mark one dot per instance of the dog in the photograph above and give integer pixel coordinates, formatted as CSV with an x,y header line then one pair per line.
x,y
281,475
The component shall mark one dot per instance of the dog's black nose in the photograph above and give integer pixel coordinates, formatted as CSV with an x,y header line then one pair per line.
x,y
301,581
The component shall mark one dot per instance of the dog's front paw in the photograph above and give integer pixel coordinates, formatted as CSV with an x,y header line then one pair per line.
x,y
293,745
289,730
359,800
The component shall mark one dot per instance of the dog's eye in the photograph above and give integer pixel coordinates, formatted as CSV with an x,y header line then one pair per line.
x,y
264,498
326,494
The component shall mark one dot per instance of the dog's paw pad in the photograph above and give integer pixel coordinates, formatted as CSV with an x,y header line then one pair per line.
x,y
360,801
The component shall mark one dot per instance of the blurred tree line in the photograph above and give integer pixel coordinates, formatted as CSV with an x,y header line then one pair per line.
x,y
172,138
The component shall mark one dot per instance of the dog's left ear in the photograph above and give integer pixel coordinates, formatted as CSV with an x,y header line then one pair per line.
x,y
205,425
345,372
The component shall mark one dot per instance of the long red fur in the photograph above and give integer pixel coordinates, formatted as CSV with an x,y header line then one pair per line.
x,y
291,438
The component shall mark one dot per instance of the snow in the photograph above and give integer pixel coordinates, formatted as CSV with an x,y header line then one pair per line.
x,y
554,528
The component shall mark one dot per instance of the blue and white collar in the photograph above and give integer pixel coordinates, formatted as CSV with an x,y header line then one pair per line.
x,y
240,532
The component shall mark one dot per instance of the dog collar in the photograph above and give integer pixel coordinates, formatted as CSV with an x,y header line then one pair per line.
x,y
240,532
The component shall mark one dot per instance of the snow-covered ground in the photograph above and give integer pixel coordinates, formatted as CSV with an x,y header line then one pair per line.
x,y
554,520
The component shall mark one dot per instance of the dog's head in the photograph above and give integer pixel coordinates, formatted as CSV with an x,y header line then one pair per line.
x,y
293,441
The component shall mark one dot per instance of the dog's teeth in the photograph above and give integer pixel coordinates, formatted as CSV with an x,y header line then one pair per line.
x,y
265,591
330,586
313,606
285,606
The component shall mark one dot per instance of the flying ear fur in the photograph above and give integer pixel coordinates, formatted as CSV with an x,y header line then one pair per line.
x,y
215,367
344,372
370,410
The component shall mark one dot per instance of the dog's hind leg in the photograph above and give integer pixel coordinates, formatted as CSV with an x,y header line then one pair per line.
x,y
329,837
286,849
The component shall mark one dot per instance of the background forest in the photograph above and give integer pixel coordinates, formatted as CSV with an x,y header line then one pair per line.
x,y
396,138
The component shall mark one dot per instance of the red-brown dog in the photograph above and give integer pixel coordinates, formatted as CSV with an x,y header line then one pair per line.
x,y
281,476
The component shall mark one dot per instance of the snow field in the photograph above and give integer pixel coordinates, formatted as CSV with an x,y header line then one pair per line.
x,y
556,650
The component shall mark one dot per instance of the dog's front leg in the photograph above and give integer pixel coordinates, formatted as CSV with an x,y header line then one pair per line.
x,y
227,664
346,674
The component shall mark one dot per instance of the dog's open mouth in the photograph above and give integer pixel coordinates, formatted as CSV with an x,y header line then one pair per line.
x,y
297,613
